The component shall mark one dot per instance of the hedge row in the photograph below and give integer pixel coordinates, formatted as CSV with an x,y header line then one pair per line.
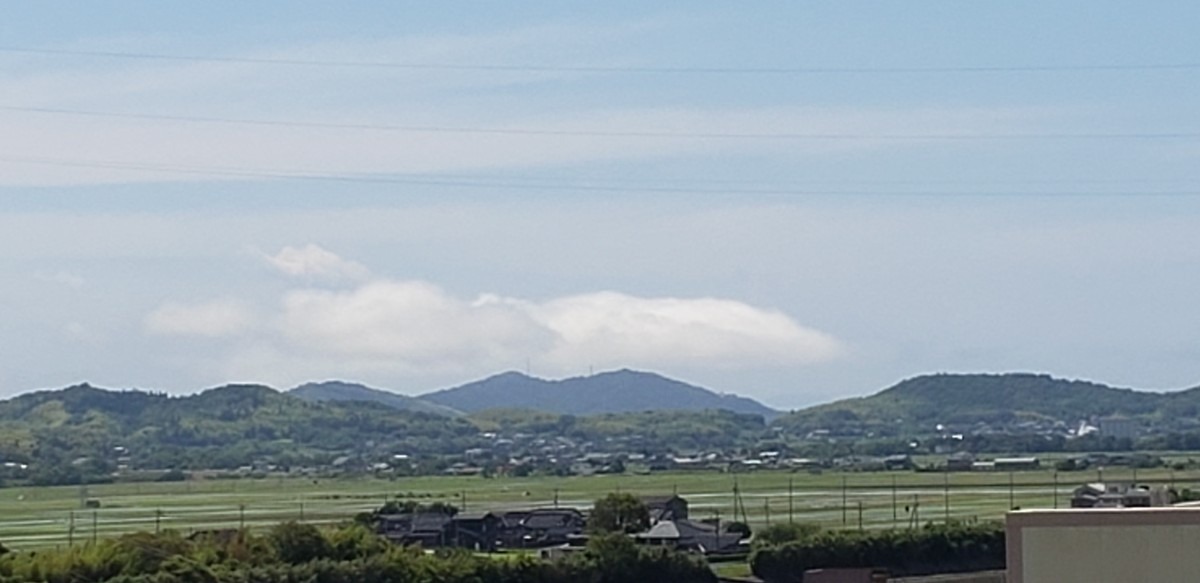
x,y
930,550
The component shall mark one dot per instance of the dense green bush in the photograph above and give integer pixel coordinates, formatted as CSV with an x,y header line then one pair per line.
x,y
929,550
292,553
785,532
619,513
614,558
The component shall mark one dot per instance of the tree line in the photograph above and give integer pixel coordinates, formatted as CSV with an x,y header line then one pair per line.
x,y
294,552
784,552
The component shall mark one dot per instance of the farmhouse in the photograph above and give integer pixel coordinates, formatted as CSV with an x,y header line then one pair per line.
x,y
479,531
690,535
428,529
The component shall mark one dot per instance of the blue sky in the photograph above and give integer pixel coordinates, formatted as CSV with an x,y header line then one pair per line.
x,y
797,202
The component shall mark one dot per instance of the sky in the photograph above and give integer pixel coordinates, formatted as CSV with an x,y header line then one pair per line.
x,y
793,201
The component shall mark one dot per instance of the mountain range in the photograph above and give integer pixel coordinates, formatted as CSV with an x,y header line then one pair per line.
x,y
913,406
80,432
621,391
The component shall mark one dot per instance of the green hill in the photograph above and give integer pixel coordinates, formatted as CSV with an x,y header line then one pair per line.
x,y
916,406
85,430
343,391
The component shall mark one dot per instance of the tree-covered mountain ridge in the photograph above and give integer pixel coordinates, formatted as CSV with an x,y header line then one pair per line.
x,y
341,391
83,433
88,430
959,401
71,429
619,391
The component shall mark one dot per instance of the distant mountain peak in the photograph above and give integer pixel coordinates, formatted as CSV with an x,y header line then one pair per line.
x,y
614,391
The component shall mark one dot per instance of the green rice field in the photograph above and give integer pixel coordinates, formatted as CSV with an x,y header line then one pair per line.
x,y
57,516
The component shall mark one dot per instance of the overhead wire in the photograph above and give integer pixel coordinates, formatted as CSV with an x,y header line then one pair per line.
x,y
532,131
605,69
492,184
819,136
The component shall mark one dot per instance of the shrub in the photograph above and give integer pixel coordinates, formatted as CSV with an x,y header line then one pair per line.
x,y
930,550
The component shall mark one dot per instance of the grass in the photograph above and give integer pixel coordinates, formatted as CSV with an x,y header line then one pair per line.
x,y
732,569
56,516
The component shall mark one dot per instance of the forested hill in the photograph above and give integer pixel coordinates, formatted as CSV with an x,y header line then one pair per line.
x,y
343,391
83,429
84,434
917,405
608,392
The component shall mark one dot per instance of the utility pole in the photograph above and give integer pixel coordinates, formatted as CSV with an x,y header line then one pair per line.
x,y
791,501
736,497
1056,488
895,515
946,495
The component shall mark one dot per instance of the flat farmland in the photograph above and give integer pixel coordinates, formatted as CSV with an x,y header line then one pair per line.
x,y
57,516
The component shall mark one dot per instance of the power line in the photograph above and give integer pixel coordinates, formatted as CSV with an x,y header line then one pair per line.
x,y
275,174
652,70
609,134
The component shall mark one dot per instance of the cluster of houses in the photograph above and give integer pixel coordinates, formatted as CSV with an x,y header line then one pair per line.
x,y
1119,495
967,462
554,530
485,531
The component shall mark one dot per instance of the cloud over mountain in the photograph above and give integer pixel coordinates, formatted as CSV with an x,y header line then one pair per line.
x,y
418,327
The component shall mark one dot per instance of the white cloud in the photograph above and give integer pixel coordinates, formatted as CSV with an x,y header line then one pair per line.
x,y
218,318
612,329
415,327
314,261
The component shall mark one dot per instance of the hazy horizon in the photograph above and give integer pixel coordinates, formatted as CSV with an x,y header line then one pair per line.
x,y
419,392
